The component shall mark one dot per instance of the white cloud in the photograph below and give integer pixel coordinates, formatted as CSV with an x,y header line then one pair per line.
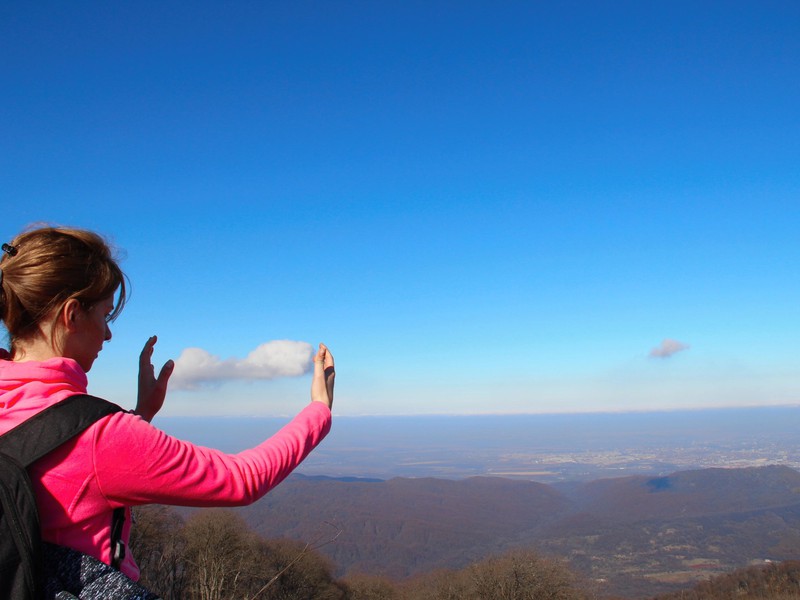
x,y
667,348
278,358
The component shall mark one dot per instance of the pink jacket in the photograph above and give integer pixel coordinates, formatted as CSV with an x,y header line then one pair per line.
x,y
122,460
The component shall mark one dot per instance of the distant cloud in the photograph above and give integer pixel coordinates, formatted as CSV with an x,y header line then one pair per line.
x,y
667,348
278,358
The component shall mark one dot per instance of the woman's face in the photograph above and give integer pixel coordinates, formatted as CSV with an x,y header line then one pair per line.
x,y
91,331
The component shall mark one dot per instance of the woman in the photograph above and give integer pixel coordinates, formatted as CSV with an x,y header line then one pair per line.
x,y
59,290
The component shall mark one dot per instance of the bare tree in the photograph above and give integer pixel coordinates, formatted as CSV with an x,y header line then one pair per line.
x,y
523,575
159,546
214,556
371,587
220,553
297,572
442,584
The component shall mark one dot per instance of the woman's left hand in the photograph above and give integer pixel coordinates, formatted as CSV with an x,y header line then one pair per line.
x,y
324,376
152,390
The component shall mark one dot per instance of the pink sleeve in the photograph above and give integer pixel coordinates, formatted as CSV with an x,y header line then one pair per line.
x,y
137,463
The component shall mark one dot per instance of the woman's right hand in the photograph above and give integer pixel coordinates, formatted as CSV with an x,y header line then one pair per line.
x,y
152,389
323,378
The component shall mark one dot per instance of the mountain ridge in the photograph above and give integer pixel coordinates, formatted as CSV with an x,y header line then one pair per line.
x,y
659,531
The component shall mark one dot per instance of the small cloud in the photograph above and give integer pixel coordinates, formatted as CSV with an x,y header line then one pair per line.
x,y
667,348
278,358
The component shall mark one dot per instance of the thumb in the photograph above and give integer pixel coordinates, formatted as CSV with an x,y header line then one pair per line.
x,y
166,372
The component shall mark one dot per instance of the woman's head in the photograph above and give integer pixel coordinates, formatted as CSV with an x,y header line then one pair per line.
x,y
43,269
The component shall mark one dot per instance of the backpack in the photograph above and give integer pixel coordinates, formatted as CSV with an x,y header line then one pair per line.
x,y
21,547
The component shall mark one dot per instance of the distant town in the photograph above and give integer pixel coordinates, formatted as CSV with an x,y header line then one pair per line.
x,y
545,448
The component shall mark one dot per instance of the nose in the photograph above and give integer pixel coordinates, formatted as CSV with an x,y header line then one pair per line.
x,y
108,333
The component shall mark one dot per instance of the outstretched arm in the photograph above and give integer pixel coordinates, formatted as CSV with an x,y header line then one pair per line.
x,y
138,464
152,389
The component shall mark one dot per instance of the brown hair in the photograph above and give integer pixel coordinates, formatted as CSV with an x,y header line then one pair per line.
x,y
48,266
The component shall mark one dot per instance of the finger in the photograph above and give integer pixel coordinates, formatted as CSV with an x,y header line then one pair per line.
x,y
325,354
147,351
328,368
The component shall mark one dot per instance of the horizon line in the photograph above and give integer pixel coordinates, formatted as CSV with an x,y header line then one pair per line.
x,y
504,414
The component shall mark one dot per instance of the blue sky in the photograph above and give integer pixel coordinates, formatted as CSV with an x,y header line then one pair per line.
x,y
481,207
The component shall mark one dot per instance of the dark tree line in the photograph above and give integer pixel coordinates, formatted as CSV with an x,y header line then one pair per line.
x,y
774,581
214,556
516,575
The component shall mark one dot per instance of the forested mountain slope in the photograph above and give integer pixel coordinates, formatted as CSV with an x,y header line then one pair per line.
x,y
671,530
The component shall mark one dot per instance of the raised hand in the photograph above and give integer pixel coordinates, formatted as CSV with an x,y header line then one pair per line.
x,y
152,389
324,376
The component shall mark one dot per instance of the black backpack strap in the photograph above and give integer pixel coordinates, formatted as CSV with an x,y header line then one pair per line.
x,y
117,545
55,425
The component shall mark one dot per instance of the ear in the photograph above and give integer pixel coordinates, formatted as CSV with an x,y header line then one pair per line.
x,y
70,314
